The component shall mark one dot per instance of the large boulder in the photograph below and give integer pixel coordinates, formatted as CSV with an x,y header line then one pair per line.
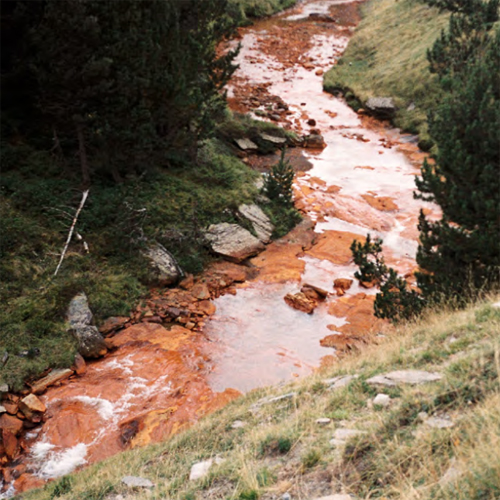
x,y
79,312
90,341
232,241
383,107
164,268
260,221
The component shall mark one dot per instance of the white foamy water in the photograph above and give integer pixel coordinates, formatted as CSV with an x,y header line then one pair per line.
x,y
52,463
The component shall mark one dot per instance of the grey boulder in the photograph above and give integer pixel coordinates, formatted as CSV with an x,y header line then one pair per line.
x,y
232,241
260,221
381,106
164,270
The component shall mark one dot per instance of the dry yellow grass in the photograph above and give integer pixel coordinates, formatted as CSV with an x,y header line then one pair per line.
x,y
282,448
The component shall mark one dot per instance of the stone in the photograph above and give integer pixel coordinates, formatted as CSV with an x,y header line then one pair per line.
x,y
233,242
315,141
246,144
137,482
342,283
113,323
200,291
271,400
164,269
337,496
381,106
52,378
339,382
79,312
452,474
200,469
10,424
382,400
345,434
31,405
496,305
238,424
438,423
320,292
273,139
2,409
260,221
79,365
10,444
300,302
206,307
4,388
323,421
90,342
413,377
11,407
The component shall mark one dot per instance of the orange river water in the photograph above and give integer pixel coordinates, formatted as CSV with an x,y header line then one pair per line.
x,y
158,380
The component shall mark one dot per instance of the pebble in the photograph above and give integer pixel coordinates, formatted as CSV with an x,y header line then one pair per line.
x,y
137,482
339,382
323,421
439,423
200,469
238,424
382,400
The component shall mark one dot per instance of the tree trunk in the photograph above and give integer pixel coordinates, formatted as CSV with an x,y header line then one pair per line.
x,y
83,154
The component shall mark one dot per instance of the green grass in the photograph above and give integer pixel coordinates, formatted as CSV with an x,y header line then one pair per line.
x,y
170,205
281,448
386,57
244,10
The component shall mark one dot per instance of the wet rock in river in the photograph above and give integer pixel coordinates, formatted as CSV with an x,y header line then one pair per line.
x,y
301,302
232,241
30,406
52,378
315,141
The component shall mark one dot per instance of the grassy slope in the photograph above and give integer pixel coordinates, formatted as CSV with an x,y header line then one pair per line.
x,y
171,206
387,57
283,449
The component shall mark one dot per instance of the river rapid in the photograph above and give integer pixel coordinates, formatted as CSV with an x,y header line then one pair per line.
x,y
158,379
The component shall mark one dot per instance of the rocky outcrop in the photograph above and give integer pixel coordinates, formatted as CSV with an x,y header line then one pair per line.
x,y
232,241
164,269
382,107
52,378
260,221
90,341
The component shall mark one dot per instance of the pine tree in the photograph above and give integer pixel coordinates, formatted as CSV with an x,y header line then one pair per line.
x,y
133,83
279,182
460,254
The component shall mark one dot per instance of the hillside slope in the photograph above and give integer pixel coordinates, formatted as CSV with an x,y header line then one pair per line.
x,y
386,57
439,439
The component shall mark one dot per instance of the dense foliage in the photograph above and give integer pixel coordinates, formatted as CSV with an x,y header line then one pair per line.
x,y
125,85
459,255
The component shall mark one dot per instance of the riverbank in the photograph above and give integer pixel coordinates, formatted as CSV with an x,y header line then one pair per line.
x,y
386,57
346,430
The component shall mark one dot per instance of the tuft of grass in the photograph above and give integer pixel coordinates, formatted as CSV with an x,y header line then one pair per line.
x,y
386,57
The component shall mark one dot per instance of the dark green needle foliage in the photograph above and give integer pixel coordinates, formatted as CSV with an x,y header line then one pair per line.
x,y
458,254
279,182
396,300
